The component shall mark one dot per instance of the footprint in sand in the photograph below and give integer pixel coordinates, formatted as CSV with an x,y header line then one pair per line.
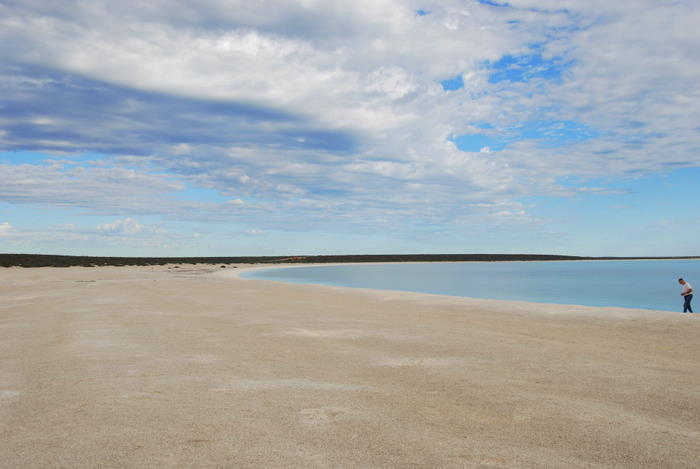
x,y
8,394
417,361
322,415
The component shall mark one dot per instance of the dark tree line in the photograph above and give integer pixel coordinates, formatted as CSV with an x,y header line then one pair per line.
x,y
43,260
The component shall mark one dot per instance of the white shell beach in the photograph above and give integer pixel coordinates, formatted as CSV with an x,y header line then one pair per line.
x,y
163,367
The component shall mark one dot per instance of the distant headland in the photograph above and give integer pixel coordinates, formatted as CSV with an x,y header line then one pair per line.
x,y
47,260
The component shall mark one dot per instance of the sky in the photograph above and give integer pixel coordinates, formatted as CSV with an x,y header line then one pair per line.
x,y
240,127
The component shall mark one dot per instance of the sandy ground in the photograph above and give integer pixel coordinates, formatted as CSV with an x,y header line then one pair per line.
x,y
155,367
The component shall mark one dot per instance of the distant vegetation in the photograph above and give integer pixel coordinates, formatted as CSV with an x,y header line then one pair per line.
x,y
42,260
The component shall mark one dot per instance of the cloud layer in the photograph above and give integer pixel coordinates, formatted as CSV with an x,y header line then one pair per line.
x,y
336,114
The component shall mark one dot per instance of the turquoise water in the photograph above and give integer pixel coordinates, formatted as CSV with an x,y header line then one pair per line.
x,y
630,284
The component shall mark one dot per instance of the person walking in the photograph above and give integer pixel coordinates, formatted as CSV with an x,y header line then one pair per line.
x,y
687,294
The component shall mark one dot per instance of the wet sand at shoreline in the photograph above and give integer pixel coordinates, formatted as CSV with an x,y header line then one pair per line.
x,y
193,367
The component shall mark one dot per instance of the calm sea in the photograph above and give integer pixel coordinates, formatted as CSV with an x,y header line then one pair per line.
x,y
631,284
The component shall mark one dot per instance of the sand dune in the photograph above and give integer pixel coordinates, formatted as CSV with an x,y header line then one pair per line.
x,y
158,367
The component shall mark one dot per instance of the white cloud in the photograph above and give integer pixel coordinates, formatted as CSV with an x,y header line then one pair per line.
x,y
181,149
112,188
5,229
127,226
379,47
126,234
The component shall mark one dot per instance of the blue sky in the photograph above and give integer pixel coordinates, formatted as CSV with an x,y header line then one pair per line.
x,y
325,127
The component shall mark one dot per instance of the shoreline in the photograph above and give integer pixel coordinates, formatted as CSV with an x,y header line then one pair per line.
x,y
241,271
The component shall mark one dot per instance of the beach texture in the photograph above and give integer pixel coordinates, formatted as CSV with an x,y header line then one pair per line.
x,y
157,367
